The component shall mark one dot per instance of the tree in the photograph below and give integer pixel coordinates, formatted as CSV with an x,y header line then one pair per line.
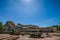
x,y
1,26
56,26
59,26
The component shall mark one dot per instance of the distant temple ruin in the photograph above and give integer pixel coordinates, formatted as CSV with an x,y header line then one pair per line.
x,y
26,29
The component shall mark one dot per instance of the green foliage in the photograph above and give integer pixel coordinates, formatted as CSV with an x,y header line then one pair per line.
x,y
12,31
1,26
59,27
36,35
56,26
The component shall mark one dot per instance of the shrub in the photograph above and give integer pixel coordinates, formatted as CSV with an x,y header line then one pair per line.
x,y
36,35
1,26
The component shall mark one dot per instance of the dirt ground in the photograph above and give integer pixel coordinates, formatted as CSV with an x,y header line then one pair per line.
x,y
46,38
26,37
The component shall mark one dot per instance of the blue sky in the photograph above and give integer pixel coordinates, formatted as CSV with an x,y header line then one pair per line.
x,y
37,12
